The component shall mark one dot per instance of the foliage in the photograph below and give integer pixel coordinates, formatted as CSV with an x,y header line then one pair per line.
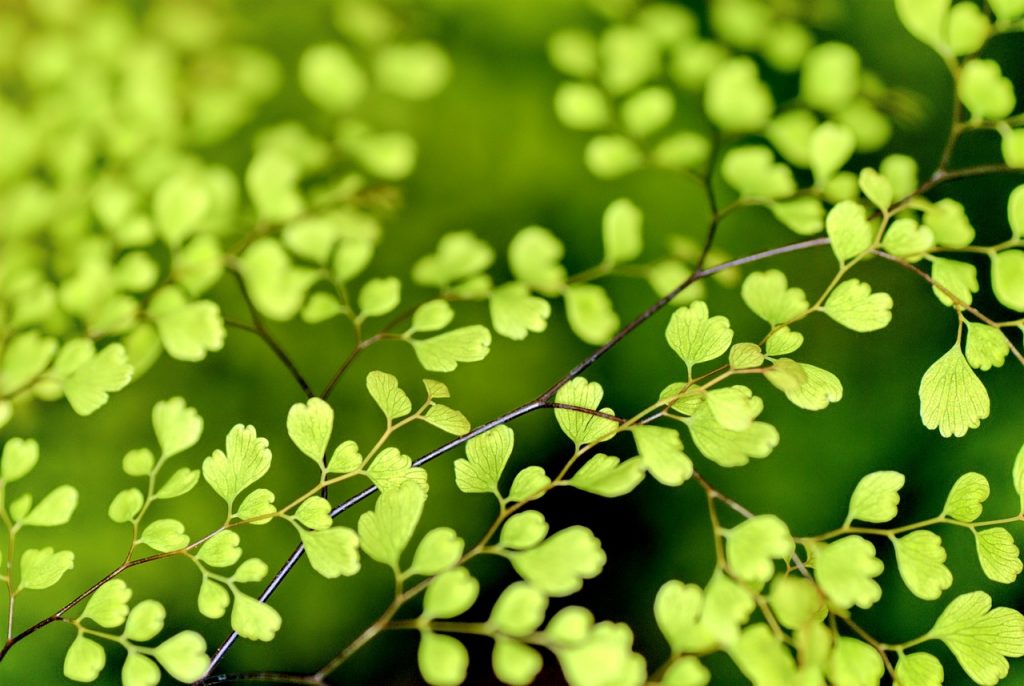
x,y
125,237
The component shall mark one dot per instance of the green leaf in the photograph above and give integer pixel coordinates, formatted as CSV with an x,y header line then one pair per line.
x,y
388,395
735,98
515,663
622,231
849,230
259,503
980,637
582,106
188,330
332,552
378,297
487,455
125,505
139,670
876,497
416,70
986,347
42,567
108,606
948,221
745,356
964,502
459,255
1007,9
919,669
998,554
612,156
519,610
181,482
845,570
528,483
768,295
854,663
695,336
783,342
603,475
969,28
677,610
806,386
559,565
385,532
55,509
876,188
921,561
1018,476
25,357
314,513
591,313
906,238
661,450
832,146
762,658
330,76
444,352
89,386
681,150
924,19
803,216
985,91
165,535
953,399
1015,205
19,457
183,656
686,671
309,426
251,570
438,550
853,305
795,601
754,172
84,660
178,427
730,448
213,599
247,459
138,462
276,285
581,427
830,77
345,458
959,278
450,594
391,469
221,550
145,621
752,547
648,110
432,315
1008,278
535,258
443,660
515,313
254,620
605,656
447,419
523,530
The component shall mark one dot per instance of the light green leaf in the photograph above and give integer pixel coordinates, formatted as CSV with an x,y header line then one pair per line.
x,y
188,330
314,513
845,570
528,483
998,554
433,315
390,469
582,427
806,386
795,601
948,221
661,450
139,670
459,255
876,188
55,509
768,295
604,657
752,547
523,530
735,98
213,599
442,659
42,567
447,419
906,238
582,106
388,395
980,637
25,357
735,408
165,535
876,497
591,313
221,550
259,503
802,216
183,656
378,297
309,426
622,231
1015,204
181,482
986,347
535,258
832,146
730,448
854,663
84,660
849,230
251,570
985,91
330,76
138,462
924,19
681,150
603,475
515,663
439,549
88,387
345,458
276,285
677,610
783,342
125,505
830,76
919,669
444,352
745,356
964,502
145,621
648,110
450,594
19,457
755,173
178,427
515,313
254,620
108,606
853,305
921,561
762,658
332,552
959,278
385,532
559,565
519,610
695,336
1018,476
969,28
487,455
247,459
686,671
1008,278
953,399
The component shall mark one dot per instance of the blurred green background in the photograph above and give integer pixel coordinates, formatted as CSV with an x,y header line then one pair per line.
x,y
494,159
